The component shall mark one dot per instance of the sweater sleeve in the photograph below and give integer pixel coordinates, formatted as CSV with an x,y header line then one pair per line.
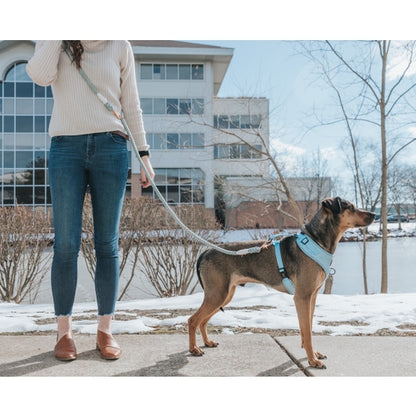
x,y
130,102
43,66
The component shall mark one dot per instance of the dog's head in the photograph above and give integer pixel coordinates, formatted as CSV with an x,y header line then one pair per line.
x,y
346,214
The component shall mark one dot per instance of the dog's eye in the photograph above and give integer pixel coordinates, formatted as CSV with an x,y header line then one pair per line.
x,y
351,208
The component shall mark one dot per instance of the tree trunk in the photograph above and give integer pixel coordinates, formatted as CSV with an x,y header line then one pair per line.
x,y
384,165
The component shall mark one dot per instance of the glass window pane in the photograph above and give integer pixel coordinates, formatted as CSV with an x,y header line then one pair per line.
x,y
24,106
40,195
10,76
9,89
8,124
234,151
172,106
173,141
8,195
198,140
8,141
40,91
235,122
159,141
24,141
173,194
40,142
197,71
49,92
8,159
198,106
245,152
40,124
159,106
49,106
158,71
24,159
24,124
185,140
39,176
146,105
171,71
223,152
184,106
24,89
24,177
39,106
9,106
216,121
40,159
146,71
24,195
21,74
184,71
245,122
223,122
255,121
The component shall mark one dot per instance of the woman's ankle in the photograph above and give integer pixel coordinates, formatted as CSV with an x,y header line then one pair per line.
x,y
104,323
64,326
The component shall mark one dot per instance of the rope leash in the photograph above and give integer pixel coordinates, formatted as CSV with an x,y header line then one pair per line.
x,y
119,116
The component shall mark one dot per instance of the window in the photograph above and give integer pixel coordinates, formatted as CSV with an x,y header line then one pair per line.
x,y
179,186
25,110
223,121
175,141
237,151
172,106
172,72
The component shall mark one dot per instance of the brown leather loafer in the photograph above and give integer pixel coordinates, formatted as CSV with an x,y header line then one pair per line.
x,y
108,346
65,349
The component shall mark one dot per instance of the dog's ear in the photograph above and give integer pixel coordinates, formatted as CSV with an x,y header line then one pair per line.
x,y
333,205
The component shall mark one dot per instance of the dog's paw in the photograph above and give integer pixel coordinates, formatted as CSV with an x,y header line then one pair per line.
x,y
317,364
196,352
320,356
211,344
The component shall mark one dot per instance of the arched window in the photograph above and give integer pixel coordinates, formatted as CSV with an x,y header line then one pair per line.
x,y
25,110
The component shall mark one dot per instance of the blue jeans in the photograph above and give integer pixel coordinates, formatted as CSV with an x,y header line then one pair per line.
x,y
99,161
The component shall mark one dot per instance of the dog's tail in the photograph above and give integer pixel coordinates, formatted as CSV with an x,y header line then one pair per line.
x,y
198,268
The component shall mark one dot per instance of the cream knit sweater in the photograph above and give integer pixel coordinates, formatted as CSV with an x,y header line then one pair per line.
x,y
110,66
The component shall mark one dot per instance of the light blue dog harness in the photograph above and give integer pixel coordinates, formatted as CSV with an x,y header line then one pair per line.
x,y
311,249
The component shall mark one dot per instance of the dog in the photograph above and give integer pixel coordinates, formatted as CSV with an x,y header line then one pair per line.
x,y
219,274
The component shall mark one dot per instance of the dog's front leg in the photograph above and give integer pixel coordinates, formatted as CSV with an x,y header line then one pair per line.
x,y
303,308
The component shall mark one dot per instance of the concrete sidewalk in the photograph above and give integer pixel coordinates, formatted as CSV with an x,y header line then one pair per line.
x,y
237,355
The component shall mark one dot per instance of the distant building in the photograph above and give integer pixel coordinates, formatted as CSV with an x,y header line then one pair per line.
x,y
202,146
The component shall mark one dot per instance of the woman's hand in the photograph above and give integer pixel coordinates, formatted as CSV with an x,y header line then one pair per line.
x,y
144,180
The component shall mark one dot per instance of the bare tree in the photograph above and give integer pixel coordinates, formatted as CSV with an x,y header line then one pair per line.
x,y
24,260
376,94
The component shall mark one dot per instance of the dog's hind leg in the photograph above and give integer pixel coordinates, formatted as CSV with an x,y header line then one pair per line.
x,y
204,323
208,308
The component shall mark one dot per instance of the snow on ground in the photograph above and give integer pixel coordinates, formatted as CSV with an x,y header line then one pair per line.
x,y
253,306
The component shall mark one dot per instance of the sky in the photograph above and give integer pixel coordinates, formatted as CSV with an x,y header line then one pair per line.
x,y
266,60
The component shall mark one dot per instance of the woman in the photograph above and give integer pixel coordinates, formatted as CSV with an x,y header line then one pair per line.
x,y
88,149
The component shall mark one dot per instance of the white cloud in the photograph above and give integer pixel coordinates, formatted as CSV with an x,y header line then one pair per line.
x,y
399,59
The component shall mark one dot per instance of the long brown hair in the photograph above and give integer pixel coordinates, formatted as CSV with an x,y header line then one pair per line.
x,y
76,48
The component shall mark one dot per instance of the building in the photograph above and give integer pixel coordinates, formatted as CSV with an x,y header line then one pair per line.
x,y
197,139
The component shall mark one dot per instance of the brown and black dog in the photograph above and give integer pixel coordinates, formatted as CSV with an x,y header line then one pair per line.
x,y
220,274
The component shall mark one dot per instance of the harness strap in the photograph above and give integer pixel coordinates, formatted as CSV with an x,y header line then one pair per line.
x,y
287,282
311,249
315,252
